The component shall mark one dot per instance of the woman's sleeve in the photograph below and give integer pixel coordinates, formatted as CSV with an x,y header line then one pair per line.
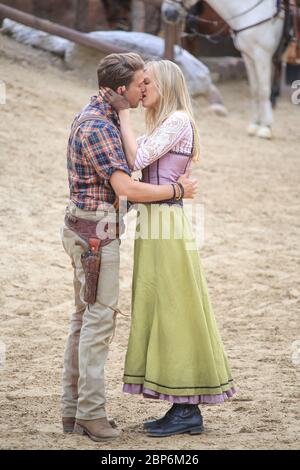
x,y
162,140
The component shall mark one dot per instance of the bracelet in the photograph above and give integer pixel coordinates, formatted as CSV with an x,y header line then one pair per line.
x,y
182,190
178,197
174,191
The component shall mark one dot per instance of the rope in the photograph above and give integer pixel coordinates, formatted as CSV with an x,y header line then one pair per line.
x,y
116,312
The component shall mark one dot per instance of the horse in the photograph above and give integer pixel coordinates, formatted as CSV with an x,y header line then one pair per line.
x,y
257,28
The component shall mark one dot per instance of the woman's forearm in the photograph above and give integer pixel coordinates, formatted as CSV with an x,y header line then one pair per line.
x,y
128,137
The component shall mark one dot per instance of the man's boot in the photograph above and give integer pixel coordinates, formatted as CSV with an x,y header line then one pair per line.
x,y
96,429
68,424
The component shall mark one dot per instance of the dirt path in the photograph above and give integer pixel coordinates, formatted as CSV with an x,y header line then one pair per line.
x,y
250,192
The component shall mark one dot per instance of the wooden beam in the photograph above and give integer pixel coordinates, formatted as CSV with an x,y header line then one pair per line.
x,y
58,30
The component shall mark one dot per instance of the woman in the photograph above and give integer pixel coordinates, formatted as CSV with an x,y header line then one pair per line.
x,y
175,352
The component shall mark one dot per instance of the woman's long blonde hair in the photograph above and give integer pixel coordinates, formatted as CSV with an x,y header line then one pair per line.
x,y
174,96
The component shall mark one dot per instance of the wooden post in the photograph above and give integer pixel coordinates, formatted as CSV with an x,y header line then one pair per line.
x,y
81,15
138,15
90,15
170,40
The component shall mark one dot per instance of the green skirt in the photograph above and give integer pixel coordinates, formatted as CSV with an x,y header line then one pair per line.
x,y
175,351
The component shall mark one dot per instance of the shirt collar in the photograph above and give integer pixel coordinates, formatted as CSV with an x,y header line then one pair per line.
x,y
105,107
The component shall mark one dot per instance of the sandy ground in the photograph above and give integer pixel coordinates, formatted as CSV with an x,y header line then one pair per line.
x,y
250,192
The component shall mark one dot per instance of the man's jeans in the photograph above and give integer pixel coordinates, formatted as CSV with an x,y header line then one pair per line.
x,y
90,329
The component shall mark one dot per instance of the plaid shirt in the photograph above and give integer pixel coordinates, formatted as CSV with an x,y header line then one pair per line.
x,y
94,153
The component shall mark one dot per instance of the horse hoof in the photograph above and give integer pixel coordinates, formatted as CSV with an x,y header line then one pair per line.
x,y
264,132
252,129
219,109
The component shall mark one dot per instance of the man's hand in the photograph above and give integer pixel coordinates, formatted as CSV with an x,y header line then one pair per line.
x,y
190,186
117,101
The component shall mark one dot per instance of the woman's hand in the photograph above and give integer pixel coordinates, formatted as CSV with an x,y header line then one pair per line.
x,y
190,186
121,105
118,102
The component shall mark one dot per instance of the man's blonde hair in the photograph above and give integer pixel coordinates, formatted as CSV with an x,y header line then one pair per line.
x,y
174,96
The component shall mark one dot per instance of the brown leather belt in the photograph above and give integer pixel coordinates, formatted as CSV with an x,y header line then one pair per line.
x,y
87,229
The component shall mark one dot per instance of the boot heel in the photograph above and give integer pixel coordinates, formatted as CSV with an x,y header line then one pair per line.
x,y
68,429
196,430
79,430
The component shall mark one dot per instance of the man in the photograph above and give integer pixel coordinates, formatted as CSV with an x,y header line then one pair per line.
x,y
98,172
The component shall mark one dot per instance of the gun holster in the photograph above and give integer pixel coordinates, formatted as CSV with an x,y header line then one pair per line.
x,y
91,257
91,262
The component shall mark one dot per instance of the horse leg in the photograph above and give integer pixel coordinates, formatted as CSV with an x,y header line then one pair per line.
x,y
253,82
275,90
263,65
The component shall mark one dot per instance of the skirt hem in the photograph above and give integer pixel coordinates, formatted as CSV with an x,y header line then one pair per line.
x,y
191,399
